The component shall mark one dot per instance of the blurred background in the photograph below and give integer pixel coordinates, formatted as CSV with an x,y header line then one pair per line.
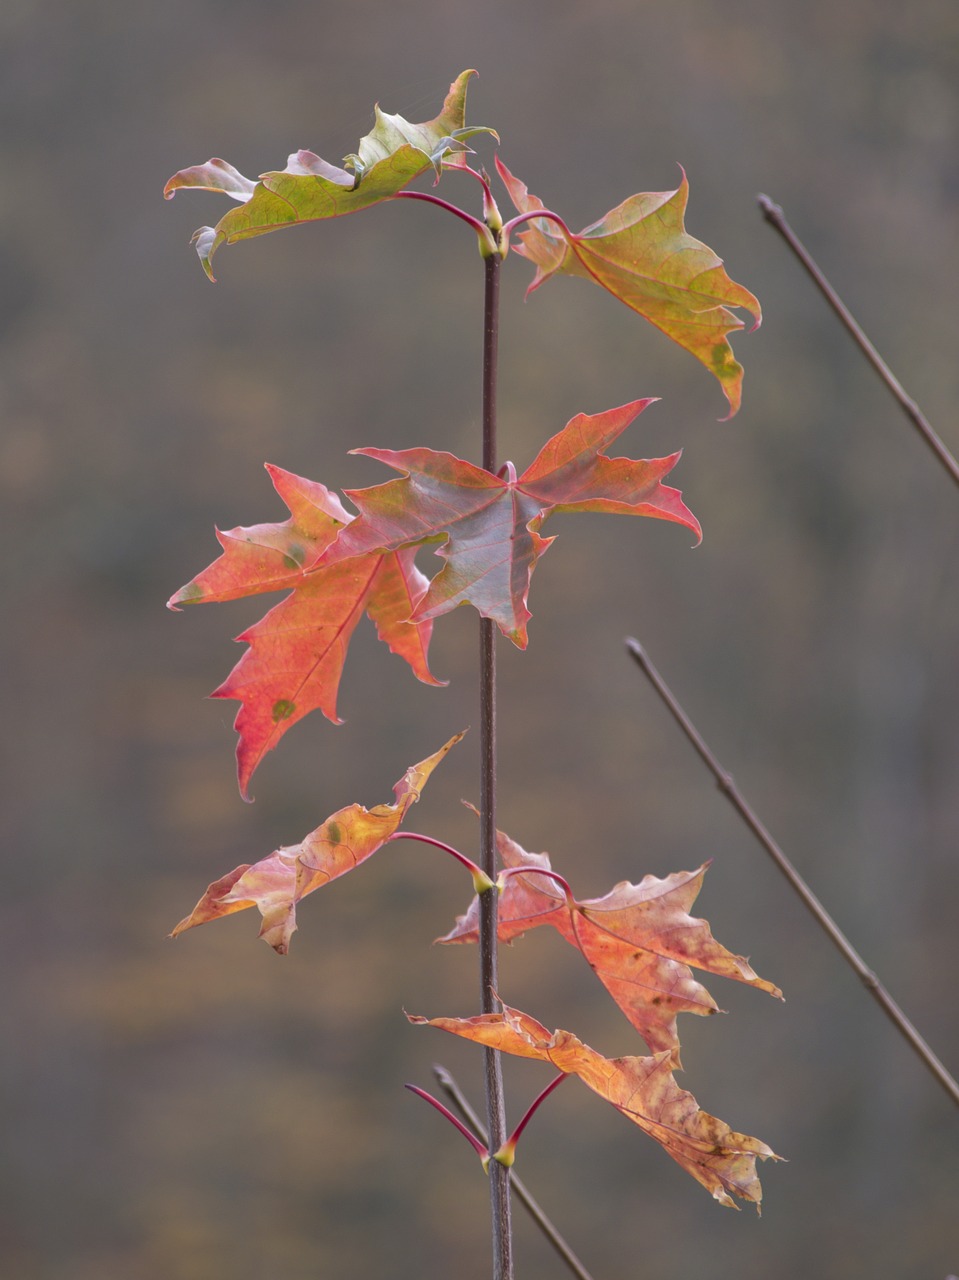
x,y
203,1110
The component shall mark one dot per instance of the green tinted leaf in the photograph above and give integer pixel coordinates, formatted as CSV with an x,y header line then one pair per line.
x,y
641,253
310,189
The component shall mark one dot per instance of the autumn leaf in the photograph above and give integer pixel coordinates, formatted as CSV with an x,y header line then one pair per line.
x,y
310,189
489,525
641,253
275,884
643,1089
336,566
640,940
296,652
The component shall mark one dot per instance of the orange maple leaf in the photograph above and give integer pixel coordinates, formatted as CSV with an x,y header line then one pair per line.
x,y
643,1089
640,939
275,884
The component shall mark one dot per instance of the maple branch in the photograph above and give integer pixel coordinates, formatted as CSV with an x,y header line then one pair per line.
x,y
732,793
549,1229
488,902
775,217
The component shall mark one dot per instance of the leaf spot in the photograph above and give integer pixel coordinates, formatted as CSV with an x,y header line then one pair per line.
x,y
294,557
334,833
721,357
283,709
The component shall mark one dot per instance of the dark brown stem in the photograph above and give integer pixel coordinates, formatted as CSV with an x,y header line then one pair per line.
x,y
545,1224
776,218
732,793
495,1106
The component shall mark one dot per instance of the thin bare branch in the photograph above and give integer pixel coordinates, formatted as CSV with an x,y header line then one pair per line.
x,y
735,797
775,216
546,1225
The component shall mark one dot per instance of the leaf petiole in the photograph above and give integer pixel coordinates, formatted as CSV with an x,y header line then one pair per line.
x,y
532,871
488,245
481,881
471,1138
531,216
507,1152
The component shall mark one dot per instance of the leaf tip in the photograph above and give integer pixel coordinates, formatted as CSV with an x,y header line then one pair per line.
x,y
190,594
206,241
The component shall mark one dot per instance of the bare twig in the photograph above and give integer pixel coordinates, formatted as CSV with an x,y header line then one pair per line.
x,y
775,216
549,1229
824,919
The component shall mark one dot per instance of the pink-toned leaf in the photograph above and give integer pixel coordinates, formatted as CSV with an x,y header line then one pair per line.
x,y
642,1089
641,253
275,884
296,652
640,940
215,175
489,525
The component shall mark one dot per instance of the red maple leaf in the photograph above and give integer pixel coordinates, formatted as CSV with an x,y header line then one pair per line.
x,y
337,567
489,525
296,652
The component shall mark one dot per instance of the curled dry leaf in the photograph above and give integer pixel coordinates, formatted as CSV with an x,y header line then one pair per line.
x,y
642,1089
639,940
275,884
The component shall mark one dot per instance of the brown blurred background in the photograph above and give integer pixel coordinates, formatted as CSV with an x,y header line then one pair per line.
x,y
206,1111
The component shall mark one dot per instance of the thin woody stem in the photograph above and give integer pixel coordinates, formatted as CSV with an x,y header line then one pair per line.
x,y
776,218
502,1239
732,793
549,1229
